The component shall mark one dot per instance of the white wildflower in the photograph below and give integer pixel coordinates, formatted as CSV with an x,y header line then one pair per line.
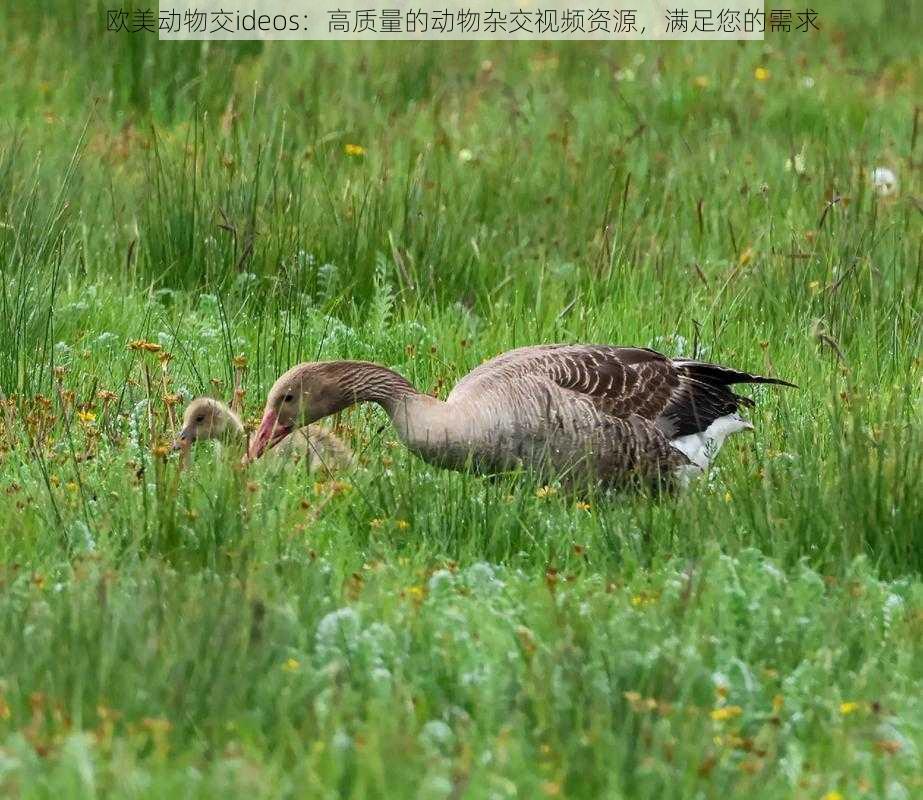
x,y
893,605
441,580
436,736
482,577
341,741
337,634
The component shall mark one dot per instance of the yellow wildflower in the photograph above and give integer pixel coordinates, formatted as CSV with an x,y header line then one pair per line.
x,y
86,417
639,703
746,256
814,286
545,491
725,713
147,347
848,708
416,593
643,599
834,795
581,506
291,665
402,524
777,702
700,81
761,74
375,523
354,150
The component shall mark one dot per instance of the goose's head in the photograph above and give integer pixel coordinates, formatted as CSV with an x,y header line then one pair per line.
x,y
206,418
305,393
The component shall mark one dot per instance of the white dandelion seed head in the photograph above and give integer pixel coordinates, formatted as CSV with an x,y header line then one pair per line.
x,y
884,181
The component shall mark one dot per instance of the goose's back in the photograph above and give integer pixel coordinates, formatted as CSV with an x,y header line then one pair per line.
x,y
519,409
612,410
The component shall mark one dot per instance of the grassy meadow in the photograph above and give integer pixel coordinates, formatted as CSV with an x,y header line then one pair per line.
x,y
179,219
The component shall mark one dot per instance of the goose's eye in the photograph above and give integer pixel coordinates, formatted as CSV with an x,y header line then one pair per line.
x,y
288,398
200,418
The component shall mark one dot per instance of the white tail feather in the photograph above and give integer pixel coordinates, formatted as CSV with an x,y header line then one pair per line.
x,y
701,448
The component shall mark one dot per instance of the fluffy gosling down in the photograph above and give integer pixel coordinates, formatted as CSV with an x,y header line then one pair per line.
x,y
206,418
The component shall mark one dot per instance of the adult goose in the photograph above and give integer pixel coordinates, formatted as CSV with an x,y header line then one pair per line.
x,y
581,413
206,418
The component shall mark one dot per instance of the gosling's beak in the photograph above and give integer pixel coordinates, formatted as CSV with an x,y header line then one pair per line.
x,y
182,441
269,432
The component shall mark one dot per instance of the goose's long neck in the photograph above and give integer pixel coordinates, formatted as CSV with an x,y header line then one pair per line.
x,y
363,382
420,420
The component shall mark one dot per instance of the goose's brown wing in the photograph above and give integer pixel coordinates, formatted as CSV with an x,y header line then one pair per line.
x,y
621,381
680,396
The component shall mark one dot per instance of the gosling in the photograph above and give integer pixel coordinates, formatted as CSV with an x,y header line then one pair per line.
x,y
206,418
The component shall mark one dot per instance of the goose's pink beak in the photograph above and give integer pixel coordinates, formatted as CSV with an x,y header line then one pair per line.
x,y
267,434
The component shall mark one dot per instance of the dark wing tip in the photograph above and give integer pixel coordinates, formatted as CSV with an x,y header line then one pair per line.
x,y
773,381
724,376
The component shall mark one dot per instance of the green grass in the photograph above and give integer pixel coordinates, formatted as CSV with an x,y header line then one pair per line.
x,y
408,632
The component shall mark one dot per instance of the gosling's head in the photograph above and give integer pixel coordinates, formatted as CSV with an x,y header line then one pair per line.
x,y
206,418
304,394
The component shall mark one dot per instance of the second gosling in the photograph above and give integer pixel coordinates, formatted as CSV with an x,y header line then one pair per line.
x,y
207,418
